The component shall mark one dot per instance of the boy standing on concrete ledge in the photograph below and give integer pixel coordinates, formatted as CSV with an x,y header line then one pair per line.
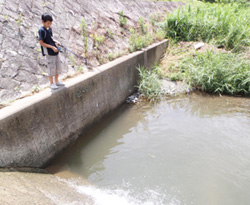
x,y
50,49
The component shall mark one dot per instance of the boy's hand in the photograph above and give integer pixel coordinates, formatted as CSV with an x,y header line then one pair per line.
x,y
55,49
57,43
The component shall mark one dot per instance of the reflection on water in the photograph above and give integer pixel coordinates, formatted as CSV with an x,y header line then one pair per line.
x,y
187,150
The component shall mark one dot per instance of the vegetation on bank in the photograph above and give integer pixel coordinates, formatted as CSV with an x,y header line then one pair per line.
x,y
225,25
221,71
217,72
149,83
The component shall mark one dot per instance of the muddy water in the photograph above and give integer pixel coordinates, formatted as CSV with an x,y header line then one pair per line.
x,y
186,150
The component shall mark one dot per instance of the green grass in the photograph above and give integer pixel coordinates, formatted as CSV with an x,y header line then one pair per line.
x,y
138,41
216,72
122,19
149,84
225,25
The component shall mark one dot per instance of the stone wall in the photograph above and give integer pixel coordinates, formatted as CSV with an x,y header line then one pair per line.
x,y
21,64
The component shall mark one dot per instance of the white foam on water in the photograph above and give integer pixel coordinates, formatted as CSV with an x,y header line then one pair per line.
x,y
124,196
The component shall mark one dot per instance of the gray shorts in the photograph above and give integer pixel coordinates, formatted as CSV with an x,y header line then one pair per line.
x,y
54,65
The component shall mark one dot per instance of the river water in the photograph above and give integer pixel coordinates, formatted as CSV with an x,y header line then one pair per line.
x,y
191,149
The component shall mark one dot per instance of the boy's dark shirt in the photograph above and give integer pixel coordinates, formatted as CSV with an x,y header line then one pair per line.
x,y
47,37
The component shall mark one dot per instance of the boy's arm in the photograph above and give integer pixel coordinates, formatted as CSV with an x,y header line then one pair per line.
x,y
57,42
48,46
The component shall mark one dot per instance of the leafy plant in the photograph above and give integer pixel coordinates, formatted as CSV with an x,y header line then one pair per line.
x,y
122,19
111,56
137,41
149,84
35,89
110,33
97,40
143,26
100,39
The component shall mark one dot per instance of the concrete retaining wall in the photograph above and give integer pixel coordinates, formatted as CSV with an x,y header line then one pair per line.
x,y
35,129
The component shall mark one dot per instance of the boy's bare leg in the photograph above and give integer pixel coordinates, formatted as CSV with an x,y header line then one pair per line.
x,y
51,79
56,78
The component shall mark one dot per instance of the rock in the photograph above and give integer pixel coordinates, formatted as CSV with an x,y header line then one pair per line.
x,y
10,5
7,84
133,99
198,46
173,88
10,13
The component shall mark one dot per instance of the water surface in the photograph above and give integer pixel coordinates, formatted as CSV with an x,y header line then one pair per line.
x,y
186,150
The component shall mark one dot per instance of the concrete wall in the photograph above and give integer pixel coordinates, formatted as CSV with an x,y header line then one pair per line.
x,y
35,129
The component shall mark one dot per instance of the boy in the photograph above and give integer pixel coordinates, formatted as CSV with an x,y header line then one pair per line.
x,y
49,48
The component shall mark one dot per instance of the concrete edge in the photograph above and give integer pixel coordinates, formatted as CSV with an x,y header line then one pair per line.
x,y
21,104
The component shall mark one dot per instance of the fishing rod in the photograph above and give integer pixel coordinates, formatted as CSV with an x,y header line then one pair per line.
x,y
80,57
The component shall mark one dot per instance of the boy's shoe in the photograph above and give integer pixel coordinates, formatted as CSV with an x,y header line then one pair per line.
x,y
60,83
53,86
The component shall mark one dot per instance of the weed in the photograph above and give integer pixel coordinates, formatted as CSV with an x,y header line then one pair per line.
x,y
137,41
218,23
143,26
72,60
119,54
80,68
84,36
217,72
160,34
97,40
19,20
122,19
110,33
175,76
111,56
100,39
103,60
35,89
149,84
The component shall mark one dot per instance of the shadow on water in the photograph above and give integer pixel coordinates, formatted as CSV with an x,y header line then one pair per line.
x,y
87,138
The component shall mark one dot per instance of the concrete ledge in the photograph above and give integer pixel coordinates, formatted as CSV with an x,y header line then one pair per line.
x,y
35,129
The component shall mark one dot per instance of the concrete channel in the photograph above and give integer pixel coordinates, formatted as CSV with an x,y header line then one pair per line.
x,y
35,129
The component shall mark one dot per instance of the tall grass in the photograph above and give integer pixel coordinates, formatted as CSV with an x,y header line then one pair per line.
x,y
149,84
226,25
217,72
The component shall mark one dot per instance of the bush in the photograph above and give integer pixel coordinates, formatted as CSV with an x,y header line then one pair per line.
x,y
137,41
149,84
227,25
217,72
